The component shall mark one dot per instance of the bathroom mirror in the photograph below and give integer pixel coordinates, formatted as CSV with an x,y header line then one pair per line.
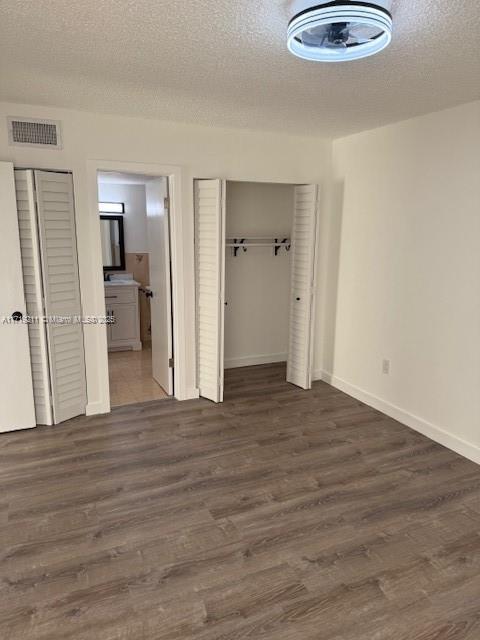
x,y
113,248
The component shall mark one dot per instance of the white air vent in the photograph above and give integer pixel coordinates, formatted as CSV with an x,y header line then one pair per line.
x,y
30,132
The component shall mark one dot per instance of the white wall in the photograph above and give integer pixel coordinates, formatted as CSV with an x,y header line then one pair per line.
x,y
135,218
402,279
198,151
257,284
400,255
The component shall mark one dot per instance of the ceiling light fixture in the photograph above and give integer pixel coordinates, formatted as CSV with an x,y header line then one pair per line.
x,y
340,30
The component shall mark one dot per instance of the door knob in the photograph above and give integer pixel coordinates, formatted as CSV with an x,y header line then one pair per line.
x,y
149,294
17,316
298,299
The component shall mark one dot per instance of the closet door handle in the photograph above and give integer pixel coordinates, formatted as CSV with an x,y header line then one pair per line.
x,y
298,299
17,316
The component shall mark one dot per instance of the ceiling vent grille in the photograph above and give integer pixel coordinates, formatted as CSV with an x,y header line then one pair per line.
x,y
30,132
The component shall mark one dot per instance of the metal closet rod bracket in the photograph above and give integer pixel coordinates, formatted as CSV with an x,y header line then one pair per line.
x,y
282,243
237,246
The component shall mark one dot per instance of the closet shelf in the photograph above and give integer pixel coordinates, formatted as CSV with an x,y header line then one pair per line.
x,y
245,243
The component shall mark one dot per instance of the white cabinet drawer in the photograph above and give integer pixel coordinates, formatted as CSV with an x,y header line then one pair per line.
x,y
120,295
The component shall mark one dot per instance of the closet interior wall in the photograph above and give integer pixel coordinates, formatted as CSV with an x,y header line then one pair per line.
x,y
257,283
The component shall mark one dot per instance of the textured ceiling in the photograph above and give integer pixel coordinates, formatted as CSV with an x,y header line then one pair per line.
x,y
225,62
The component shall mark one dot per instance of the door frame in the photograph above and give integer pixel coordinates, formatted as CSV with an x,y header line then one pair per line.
x,y
174,175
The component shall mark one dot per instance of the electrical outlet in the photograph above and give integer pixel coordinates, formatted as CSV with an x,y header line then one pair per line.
x,y
386,367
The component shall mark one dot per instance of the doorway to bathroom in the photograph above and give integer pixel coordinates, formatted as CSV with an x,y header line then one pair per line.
x,y
135,237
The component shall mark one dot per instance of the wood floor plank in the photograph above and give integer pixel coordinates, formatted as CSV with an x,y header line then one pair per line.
x,y
280,514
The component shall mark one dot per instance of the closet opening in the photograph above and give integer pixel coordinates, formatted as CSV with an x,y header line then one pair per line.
x,y
135,238
258,226
255,280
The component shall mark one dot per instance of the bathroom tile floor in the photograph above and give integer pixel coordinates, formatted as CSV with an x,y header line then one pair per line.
x,y
131,381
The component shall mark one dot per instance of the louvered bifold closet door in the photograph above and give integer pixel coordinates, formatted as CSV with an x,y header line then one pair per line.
x,y
32,282
210,284
56,221
304,240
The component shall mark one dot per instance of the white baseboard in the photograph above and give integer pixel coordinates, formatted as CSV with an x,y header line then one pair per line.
x,y
432,431
13,429
97,408
251,361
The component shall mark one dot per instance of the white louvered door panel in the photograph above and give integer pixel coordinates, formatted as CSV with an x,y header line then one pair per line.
x,y
210,285
58,243
32,282
304,240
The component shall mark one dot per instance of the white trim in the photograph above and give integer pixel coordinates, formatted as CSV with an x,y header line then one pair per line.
x,y
313,293
12,429
175,176
251,361
97,408
432,431
223,238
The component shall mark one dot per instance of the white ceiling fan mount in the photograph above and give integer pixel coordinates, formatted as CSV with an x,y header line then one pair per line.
x,y
339,30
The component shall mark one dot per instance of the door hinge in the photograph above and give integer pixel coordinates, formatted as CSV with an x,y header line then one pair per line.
x,y
166,203
171,363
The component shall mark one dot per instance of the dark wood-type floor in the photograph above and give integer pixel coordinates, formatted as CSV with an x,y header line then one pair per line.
x,y
279,515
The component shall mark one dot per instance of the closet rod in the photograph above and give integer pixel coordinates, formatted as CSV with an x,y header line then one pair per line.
x,y
244,243
257,244
254,239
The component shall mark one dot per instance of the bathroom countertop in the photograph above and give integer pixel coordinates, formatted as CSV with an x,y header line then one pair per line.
x,y
121,283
